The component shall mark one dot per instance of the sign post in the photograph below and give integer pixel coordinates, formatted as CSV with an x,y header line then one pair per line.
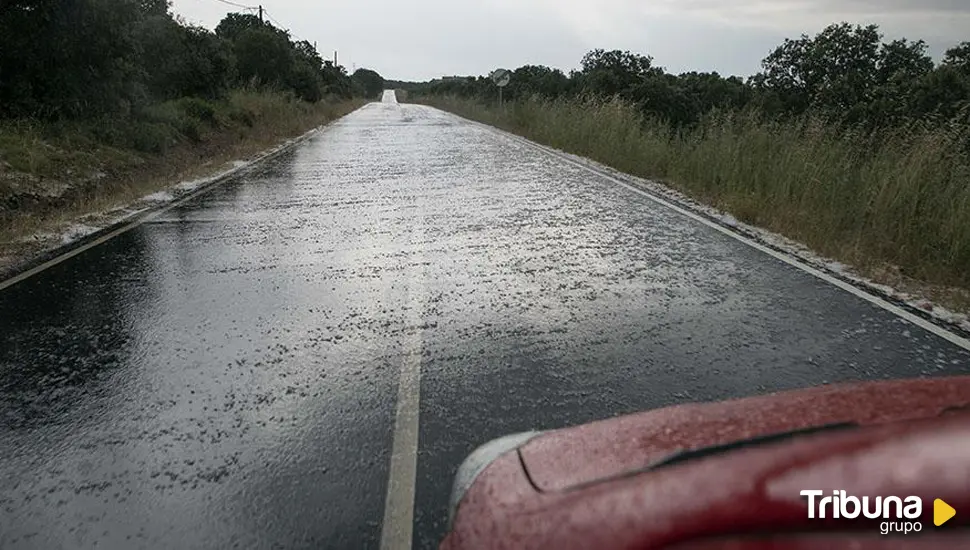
x,y
501,79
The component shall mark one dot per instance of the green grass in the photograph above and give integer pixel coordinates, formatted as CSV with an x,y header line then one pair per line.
x,y
51,173
897,197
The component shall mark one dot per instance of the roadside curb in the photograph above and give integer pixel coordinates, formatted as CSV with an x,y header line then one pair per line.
x,y
26,269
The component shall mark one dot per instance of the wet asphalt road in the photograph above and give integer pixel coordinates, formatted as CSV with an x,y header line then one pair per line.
x,y
227,374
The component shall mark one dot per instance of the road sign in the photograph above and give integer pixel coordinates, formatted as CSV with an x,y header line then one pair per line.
x,y
501,77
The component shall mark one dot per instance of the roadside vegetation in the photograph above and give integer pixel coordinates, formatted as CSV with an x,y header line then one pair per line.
x,y
103,101
857,147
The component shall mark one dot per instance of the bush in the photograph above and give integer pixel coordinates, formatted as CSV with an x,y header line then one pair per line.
x,y
240,115
151,137
306,83
198,109
140,134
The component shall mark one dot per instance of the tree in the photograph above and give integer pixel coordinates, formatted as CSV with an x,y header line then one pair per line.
x,y
663,97
233,24
902,66
847,73
305,81
154,7
835,70
615,72
901,60
958,58
942,92
369,82
305,51
262,56
711,90
88,42
336,82
181,60
538,80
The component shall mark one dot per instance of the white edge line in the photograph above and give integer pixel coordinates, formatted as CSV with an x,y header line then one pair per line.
x,y
876,300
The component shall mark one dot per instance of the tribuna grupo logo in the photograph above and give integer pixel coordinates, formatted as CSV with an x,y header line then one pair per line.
x,y
898,513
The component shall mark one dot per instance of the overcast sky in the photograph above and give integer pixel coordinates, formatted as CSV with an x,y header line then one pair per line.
x,y
424,39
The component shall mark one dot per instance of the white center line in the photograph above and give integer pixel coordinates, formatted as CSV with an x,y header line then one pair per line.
x,y
397,530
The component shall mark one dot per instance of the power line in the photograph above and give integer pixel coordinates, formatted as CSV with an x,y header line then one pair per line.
x,y
270,17
282,27
238,5
263,11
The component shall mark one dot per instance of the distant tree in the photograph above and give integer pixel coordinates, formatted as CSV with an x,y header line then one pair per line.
x,y
233,24
154,7
263,56
406,85
845,73
266,55
836,69
902,66
615,72
538,80
902,60
306,77
958,58
336,82
942,92
848,73
369,82
711,90
305,81
183,60
305,51
664,97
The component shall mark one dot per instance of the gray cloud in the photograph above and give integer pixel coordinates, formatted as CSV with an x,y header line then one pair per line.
x,y
422,39
901,6
871,7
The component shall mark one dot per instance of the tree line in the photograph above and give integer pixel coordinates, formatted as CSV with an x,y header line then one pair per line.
x,y
845,73
69,59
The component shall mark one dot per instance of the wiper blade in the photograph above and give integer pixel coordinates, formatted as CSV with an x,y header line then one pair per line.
x,y
679,457
691,454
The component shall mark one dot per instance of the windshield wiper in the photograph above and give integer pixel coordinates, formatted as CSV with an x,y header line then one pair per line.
x,y
679,457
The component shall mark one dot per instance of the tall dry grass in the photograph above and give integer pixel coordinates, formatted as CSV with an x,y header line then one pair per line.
x,y
896,197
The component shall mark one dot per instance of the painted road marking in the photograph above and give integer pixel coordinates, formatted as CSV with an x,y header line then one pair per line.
x,y
397,530
852,289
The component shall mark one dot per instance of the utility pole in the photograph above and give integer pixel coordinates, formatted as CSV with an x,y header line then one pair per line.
x,y
260,13
335,58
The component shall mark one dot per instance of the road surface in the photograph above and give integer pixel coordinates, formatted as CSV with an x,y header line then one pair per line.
x,y
236,371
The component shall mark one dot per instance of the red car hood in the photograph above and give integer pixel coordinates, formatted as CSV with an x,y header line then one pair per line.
x,y
914,441
566,458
